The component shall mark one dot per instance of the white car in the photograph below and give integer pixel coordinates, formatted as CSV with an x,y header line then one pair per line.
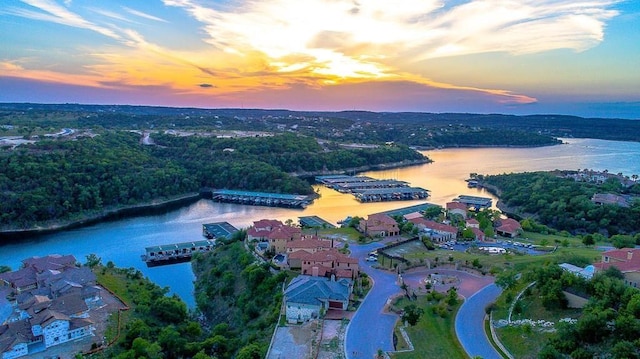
x,y
372,259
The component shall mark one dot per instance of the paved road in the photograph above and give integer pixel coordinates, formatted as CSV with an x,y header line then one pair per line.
x,y
371,329
470,323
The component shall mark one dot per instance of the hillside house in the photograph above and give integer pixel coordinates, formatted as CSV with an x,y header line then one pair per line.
x,y
379,225
509,228
308,297
273,232
50,306
625,259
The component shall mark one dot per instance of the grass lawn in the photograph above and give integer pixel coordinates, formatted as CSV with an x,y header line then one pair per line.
x,y
433,336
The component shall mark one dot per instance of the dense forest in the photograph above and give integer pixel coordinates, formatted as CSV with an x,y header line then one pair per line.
x,y
234,291
61,179
160,326
565,204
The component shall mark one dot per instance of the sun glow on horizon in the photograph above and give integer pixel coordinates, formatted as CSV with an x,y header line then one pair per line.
x,y
251,46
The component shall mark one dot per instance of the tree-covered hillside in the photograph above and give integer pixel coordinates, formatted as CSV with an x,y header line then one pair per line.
x,y
62,179
564,204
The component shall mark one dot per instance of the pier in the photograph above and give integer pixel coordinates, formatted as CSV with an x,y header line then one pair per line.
x,y
261,198
176,252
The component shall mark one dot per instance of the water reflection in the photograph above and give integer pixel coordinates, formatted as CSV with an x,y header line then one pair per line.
x,y
124,241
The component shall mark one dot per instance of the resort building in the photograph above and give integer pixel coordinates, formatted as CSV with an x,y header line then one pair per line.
x,y
625,259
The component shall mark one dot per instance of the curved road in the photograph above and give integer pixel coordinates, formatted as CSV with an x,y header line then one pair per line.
x,y
370,328
470,323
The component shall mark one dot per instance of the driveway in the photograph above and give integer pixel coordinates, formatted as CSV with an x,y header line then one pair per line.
x,y
372,329
470,323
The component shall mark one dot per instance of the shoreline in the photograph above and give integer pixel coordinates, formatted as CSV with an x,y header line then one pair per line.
x,y
159,206
153,207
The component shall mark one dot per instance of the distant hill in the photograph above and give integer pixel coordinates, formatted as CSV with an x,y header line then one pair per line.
x,y
549,124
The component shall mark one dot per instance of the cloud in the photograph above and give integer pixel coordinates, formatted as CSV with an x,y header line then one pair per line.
x,y
206,85
54,12
143,14
343,40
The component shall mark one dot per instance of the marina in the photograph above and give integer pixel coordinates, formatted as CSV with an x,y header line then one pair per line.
x,y
367,189
176,252
261,198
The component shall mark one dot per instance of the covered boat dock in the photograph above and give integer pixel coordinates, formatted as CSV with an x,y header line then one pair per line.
x,y
391,194
261,198
176,252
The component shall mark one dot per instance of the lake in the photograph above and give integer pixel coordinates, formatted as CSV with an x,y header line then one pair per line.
x,y
123,241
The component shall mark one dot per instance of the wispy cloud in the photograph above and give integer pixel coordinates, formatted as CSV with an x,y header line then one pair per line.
x,y
54,12
143,14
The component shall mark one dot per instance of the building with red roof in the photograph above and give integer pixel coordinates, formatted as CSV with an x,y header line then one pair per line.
x,y
438,232
457,208
509,228
627,260
379,225
274,232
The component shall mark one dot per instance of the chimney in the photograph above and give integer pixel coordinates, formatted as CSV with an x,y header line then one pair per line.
x,y
629,255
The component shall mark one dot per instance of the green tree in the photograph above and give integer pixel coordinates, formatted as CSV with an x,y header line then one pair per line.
x,y
93,260
506,279
412,314
588,240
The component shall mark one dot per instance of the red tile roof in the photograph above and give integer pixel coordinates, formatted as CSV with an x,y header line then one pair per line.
x,y
625,259
456,205
441,227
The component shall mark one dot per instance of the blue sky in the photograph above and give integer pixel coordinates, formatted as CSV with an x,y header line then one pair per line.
x,y
488,56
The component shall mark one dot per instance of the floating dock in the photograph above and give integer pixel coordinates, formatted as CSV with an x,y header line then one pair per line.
x,y
391,194
314,222
176,252
367,189
261,198
474,202
218,230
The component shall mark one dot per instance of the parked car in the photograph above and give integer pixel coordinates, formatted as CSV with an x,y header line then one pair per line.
x,y
372,259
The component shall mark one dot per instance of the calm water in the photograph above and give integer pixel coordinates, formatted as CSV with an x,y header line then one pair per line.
x,y
124,241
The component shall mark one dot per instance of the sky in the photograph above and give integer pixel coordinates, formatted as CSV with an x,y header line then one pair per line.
x,y
576,57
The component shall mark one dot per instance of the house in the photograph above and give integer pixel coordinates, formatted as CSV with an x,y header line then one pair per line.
x,y
438,232
308,297
50,306
509,228
379,225
274,232
472,223
298,249
610,198
456,208
325,263
625,259
478,234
